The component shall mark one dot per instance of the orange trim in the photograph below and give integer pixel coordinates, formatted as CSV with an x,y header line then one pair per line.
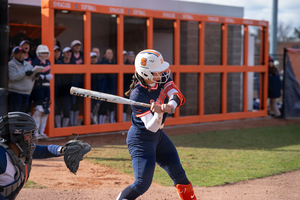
x,y
26,173
49,31
152,52
152,88
143,114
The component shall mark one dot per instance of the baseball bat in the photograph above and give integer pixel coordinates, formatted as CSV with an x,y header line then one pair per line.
x,y
107,97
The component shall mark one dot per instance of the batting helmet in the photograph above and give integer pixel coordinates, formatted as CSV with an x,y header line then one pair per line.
x,y
149,61
42,49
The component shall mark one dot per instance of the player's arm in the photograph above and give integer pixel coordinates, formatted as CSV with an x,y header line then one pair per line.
x,y
153,121
46,151
176,98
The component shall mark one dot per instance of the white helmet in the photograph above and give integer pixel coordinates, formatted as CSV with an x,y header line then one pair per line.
x,y
42,49
149,61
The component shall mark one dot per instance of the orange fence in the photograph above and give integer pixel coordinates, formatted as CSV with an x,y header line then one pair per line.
x,y
48,9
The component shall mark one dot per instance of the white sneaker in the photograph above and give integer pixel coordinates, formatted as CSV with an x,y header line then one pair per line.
x,y
43,135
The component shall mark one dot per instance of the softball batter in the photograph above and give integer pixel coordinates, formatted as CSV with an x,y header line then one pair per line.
x,y
147,143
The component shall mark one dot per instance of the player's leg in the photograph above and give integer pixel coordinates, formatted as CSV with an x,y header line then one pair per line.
x,y
167,158
143,157
44,117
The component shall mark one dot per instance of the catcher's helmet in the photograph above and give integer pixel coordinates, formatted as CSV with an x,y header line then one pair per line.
x,y
149,61
19,128
42,49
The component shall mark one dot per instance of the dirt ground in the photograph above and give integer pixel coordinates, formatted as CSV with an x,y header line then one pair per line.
x,y
103,183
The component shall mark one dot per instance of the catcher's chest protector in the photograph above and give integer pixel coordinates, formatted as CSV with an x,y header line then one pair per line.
x,y
22,173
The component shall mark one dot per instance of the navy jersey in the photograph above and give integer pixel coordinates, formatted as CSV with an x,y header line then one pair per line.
x,y
140,93
78,59
45,64
30,58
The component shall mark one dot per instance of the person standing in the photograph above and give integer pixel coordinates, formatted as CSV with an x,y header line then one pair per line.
x,y
63,96
127,80
147,143
41,91
29,57
97,51
274,89
20,81
77,81
110,88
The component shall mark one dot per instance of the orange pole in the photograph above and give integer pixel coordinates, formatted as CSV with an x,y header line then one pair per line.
x,y
201,63
87,62
201,43
224,66
48,39
266,74
120,78
177,43
150,33
245,94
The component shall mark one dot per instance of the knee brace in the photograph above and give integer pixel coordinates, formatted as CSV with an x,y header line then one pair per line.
x,y
186,192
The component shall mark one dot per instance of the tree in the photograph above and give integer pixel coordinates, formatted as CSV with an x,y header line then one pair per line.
x,y
297,32
284,32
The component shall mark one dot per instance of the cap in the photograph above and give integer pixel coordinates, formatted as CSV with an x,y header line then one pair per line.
x,y
271,59
56,47
66,49
124,52
93,54
131,53
75,42
24,41
17,49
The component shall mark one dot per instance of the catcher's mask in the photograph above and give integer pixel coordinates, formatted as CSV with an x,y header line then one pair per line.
x,y
19,128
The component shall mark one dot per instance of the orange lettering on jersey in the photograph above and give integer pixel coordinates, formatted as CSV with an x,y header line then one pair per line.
x,y
144,61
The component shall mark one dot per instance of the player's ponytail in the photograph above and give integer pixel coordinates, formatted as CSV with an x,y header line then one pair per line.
x,y
135,79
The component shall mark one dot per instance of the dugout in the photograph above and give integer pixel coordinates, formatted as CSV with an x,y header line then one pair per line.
x,y
218,58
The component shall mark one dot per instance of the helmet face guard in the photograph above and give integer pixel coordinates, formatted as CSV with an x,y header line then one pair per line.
x,y
21,128
42,52
149,62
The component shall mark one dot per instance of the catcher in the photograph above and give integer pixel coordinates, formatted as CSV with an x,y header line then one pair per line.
x,y
18,148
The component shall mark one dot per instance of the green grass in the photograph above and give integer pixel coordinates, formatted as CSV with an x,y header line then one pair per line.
x,y
220,157
32,184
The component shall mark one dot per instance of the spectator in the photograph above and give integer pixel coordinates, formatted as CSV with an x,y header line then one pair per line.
x,y
29,57
77,81
97,51
127,81
97,85
63,97
20,81
57,43
94,57
130,58
275,87
41,91
57,55
124,56
77,54
110,88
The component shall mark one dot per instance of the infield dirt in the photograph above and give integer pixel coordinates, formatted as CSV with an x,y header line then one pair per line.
x,y
103,183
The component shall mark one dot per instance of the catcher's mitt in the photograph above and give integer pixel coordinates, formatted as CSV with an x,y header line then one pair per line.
x,y
73,151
